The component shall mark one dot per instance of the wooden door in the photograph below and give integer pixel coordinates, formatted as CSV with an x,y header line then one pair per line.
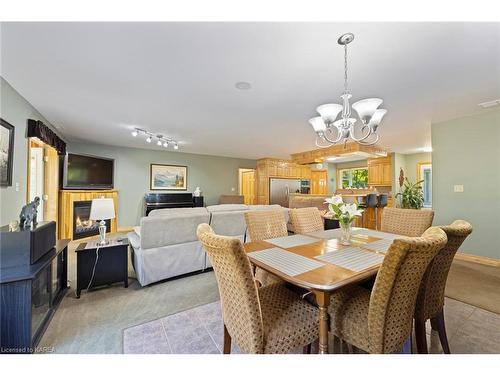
x,y
51,184
386,178
248,186
319,182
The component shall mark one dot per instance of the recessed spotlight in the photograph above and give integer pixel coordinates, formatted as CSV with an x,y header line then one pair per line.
x,y
149,139
176,146
134,133
159,142
243,85
427,149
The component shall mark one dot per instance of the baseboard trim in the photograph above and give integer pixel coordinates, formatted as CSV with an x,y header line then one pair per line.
x,y
478,259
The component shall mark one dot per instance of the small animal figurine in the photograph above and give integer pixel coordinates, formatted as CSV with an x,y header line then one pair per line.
x,y
27,218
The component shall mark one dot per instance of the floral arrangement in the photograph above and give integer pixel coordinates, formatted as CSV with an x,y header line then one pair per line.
x,y
345,213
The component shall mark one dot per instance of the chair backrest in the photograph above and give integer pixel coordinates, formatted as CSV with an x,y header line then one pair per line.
x,y
306,220
262,225
238,292
382,200
392,302
231,199
371,200
430,300
407,222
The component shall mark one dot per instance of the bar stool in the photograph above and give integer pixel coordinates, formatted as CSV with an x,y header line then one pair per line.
x,y
382,202
370,202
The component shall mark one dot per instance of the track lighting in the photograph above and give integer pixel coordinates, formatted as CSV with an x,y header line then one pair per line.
x,y
161,139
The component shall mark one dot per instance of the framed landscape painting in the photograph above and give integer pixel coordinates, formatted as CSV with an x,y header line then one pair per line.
x,y
168,177
6,152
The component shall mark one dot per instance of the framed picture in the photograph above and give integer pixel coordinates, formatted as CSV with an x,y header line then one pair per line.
x,y
168,177
6,152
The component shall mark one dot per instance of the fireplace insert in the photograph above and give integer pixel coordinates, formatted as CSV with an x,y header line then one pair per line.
x,y
82,225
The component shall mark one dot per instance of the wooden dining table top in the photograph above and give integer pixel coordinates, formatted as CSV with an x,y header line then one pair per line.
x,y
328,277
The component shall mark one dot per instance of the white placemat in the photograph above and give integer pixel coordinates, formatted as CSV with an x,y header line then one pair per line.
x,y
291,241
326,234
380,246
375,233
352,258
285,261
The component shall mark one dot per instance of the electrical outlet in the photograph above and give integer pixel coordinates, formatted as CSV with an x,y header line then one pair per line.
x,y
17,186
458,188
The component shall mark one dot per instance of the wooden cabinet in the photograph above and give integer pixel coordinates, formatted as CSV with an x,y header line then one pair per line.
x,y
280,168
380,171
319,182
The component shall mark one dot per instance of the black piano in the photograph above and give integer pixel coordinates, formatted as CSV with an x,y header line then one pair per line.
x,y
155,201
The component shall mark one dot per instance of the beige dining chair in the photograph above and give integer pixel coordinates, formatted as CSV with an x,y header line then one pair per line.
x,y
306,220
380,320
406,222
430,300
231,199
270,319
263,225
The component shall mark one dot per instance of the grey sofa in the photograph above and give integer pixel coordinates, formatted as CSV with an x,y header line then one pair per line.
x,y
165,243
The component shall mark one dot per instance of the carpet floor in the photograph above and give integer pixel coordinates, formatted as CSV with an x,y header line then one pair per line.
x,y
475,284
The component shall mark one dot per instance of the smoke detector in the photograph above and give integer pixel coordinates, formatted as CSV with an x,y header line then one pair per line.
x,y
490,104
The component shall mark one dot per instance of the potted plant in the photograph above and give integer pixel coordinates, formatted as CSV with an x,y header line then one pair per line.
x,y
411,195
345,213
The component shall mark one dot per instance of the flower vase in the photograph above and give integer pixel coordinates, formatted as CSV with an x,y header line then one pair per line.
x,y
346,230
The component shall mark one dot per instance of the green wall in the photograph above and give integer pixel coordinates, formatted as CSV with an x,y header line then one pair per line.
x,y
213,174
466,152
16,110
411,162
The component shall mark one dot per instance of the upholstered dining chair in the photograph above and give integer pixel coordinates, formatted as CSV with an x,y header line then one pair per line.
x,y
430,300
380,320
270,319
306,220
263,225
405,221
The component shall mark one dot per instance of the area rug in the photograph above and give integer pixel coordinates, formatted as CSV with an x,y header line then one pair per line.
x,y
195,331
475,284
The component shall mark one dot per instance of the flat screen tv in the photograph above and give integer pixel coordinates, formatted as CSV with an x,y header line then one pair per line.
x,y
87,172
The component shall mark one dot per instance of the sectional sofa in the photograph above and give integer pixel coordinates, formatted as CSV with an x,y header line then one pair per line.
x,y
165,243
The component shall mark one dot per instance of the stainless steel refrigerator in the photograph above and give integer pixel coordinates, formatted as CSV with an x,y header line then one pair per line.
x,y
281,188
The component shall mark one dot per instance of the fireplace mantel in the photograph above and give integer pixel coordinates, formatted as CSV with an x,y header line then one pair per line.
x,y
68,197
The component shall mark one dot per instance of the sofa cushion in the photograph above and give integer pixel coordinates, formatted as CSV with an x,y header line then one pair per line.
x,y
170,230
184,211
227,207
229,223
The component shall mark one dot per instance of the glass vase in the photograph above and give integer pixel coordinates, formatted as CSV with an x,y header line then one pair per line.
x,y
346,229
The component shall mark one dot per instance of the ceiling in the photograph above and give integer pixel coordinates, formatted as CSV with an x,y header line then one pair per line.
x,y
97,81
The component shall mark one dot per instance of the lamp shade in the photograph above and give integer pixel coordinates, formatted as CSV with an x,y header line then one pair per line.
x,y
377,118
317,124
102,209
329,112
366,108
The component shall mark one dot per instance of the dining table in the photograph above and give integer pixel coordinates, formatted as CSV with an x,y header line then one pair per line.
x,y
321,264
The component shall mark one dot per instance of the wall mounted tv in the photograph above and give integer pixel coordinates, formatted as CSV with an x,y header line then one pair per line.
x,y
87,172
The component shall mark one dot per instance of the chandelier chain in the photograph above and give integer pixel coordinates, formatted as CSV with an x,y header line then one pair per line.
x,y
345,69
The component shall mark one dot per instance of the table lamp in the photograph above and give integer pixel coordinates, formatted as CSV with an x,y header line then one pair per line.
x,y
102,209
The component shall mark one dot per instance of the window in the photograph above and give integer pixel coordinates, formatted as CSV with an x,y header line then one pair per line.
x,y
424,173
353,178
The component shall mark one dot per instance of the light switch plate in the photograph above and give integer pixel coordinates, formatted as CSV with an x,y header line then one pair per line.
x,y
458,188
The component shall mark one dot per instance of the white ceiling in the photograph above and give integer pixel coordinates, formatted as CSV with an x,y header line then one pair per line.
x,y
96,81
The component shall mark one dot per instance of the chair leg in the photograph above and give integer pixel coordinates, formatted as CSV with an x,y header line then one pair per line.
x,y
349,348
307,349
438,322
420,336
227,341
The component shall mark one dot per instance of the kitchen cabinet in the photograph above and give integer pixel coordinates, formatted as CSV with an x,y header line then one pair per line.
x,y
380,171
268,168
319,182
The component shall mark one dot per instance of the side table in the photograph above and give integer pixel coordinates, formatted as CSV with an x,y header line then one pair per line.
x,y
112,265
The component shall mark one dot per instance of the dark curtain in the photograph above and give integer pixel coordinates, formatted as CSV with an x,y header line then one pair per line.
x,y
45,134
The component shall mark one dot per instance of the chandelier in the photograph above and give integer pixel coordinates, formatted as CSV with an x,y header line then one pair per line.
x,y
161,140
330,131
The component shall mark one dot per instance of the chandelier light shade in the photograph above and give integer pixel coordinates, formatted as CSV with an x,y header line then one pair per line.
x,y
330,130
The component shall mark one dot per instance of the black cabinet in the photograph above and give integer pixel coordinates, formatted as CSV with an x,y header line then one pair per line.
x,y
29,296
